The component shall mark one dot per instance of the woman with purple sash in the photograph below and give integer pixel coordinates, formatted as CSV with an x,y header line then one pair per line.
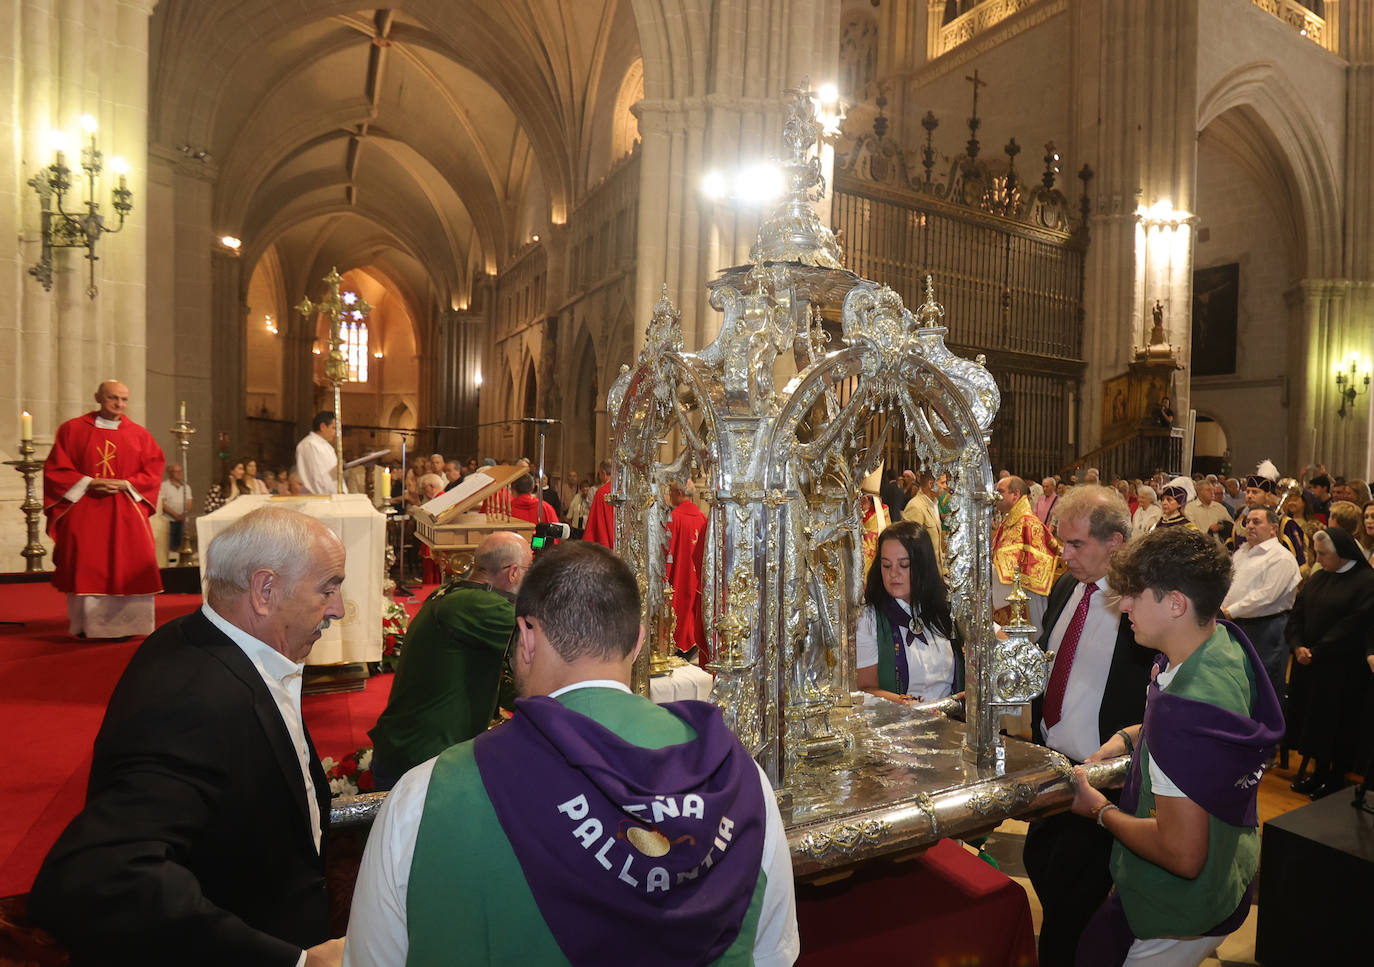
x,y
908,649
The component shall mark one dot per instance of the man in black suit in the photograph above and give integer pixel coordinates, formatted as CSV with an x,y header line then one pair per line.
x,y
202,838
1096,686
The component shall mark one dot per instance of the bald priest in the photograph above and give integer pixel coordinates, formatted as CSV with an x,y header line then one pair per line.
x,y
100,486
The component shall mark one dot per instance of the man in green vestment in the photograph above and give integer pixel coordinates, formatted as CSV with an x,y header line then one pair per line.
x,y
594,827
445,687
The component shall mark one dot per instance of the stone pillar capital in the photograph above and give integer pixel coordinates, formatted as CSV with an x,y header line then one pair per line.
x,y
1316,290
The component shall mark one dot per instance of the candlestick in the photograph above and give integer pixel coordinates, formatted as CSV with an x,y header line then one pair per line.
x,y
336,307
183,431
32,507
26,426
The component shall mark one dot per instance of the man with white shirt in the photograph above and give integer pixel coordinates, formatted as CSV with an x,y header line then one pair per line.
x,y
1262,592
175,500
100,485
202,838
1096,686
593,826
1208,514
317,463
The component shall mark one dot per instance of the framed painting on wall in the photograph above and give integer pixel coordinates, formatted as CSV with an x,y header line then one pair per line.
x,y
1216,301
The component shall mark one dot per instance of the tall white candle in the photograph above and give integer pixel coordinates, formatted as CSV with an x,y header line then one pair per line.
x,y
26,426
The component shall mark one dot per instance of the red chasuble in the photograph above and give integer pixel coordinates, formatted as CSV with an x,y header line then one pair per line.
x,y
526,507
687,544
601,519
104,542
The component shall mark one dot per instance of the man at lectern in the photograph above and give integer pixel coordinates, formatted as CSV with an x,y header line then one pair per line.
x,y
316,462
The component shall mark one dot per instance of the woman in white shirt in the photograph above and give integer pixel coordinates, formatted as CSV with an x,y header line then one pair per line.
x,y
1147,514
907,646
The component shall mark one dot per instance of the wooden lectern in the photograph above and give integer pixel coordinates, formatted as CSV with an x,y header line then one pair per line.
x,y
453,524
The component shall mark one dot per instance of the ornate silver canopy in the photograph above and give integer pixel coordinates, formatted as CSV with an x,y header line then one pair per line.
x,y
783,562
783,568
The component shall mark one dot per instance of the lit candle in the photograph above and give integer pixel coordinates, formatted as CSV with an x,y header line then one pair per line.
x,y
26,426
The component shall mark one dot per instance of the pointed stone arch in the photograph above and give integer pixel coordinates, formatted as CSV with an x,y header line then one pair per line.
x,y
526,438
1258,105
581,405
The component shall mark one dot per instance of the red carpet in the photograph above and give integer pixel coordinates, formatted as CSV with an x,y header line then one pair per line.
x,y
53,691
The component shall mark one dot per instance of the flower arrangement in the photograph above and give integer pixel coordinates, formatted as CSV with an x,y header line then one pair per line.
x,y
350,775
395,623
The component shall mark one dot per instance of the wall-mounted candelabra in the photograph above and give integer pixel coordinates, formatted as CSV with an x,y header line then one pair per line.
x,y
1350,383
75,229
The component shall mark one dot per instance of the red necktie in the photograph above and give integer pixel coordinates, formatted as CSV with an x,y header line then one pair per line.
x,y
1063,663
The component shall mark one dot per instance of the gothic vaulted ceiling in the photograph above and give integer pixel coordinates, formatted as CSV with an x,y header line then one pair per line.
x,y
429,139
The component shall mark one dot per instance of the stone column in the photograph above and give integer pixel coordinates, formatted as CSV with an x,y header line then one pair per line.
x,y
715,111
62,60
1319,334
457,342
228,316
180,330
1357,43
1135,81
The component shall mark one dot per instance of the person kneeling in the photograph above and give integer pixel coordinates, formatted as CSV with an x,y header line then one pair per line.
x,y
1187,843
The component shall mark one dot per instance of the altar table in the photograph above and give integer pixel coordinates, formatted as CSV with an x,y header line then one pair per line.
x,y
683,682
362,528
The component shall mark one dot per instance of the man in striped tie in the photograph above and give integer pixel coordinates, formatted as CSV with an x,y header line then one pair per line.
x,y
1096,686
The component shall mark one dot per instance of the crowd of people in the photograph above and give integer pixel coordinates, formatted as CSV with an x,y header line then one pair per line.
x,y
571,498
1194,639
1266,579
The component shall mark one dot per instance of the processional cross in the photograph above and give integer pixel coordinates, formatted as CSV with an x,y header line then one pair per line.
x,y
338,307
973,122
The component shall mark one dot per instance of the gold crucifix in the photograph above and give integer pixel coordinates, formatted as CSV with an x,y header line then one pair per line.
x,y
339,307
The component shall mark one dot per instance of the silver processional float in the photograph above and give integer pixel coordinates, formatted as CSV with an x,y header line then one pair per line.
x,y
782,575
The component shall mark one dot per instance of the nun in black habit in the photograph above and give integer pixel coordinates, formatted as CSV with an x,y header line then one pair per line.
x,y
1328,631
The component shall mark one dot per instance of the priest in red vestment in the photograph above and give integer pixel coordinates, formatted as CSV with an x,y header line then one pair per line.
x,y
686,547
525,503
601,518
100,485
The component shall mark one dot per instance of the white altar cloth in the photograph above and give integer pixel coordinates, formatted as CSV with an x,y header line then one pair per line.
x,y
358,637
688,681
